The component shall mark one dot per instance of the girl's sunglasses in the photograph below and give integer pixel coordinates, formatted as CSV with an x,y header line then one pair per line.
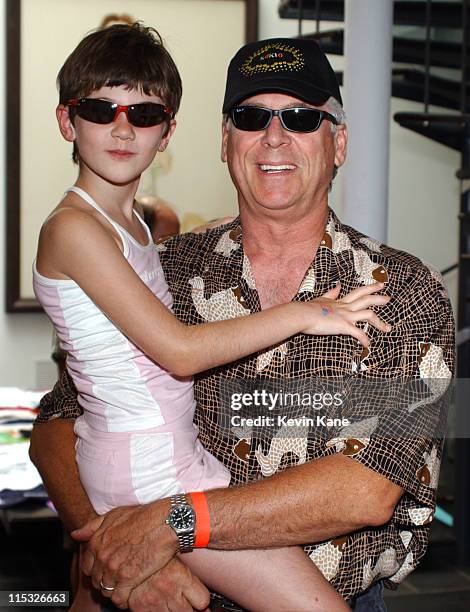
x,y
255,118
146,114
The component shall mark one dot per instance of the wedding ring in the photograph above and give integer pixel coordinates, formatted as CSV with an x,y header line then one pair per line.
x,y
105,588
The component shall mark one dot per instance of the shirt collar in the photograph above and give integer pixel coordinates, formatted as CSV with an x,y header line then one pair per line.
x,y
323,272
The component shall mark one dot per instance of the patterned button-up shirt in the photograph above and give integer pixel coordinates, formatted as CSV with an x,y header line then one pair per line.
x,y
210,279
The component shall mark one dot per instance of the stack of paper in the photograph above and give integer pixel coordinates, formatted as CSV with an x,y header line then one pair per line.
x,y
18,410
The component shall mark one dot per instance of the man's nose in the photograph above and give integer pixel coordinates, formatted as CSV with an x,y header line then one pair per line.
x,y
275,135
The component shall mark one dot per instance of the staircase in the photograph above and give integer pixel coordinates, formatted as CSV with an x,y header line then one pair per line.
x,y
433,51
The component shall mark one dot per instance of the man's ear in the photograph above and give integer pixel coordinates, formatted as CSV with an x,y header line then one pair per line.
x,y
225,130
166,139
65,123
341,144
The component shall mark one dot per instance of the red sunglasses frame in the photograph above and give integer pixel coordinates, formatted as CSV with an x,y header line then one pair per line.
x,y
119,108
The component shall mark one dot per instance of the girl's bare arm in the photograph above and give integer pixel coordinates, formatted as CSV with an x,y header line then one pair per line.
x,y
75,245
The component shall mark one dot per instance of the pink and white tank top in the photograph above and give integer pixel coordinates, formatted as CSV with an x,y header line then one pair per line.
x,y
119,387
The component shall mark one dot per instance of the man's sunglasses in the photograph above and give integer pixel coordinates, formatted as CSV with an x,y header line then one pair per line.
x,y
301,119
146,114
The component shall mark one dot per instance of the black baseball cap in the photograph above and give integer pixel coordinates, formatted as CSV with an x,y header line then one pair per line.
x,y
294,66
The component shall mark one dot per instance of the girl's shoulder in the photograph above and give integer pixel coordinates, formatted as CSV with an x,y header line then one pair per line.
x,y
72,227
73,218
67,226
70,207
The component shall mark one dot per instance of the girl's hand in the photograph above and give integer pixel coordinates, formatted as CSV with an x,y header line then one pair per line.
x,y
331,316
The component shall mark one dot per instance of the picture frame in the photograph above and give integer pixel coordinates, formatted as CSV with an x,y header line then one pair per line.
x,y
194,178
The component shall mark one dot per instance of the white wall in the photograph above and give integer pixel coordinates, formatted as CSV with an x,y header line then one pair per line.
x,y
24,338
422,217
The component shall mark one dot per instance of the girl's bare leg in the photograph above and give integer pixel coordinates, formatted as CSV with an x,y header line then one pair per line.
x,y
86,598
266,580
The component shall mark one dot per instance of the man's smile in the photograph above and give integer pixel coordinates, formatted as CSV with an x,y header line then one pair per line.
x,y
276,168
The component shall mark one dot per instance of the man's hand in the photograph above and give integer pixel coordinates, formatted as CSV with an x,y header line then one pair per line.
x,y
126,546
173,588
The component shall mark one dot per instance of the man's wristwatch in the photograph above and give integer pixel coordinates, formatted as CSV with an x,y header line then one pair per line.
x,y
182,519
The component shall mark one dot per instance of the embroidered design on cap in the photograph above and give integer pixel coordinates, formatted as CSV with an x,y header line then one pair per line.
x,y
275,57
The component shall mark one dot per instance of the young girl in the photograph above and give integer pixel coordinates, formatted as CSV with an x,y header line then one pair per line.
x,y
98,277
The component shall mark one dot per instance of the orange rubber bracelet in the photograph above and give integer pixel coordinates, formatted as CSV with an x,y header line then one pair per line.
x,y
203,520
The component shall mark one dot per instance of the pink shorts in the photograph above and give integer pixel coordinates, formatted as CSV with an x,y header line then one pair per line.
x,y
120,469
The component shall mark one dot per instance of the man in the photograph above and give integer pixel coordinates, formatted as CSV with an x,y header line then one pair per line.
x,y
364,503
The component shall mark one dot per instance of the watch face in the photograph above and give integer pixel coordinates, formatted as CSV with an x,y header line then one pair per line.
x,y
182,517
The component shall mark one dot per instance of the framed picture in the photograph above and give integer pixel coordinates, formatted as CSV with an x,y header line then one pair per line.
x,y
201,35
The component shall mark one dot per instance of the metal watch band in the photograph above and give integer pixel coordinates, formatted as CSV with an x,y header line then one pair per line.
x,y
186,540
177,499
